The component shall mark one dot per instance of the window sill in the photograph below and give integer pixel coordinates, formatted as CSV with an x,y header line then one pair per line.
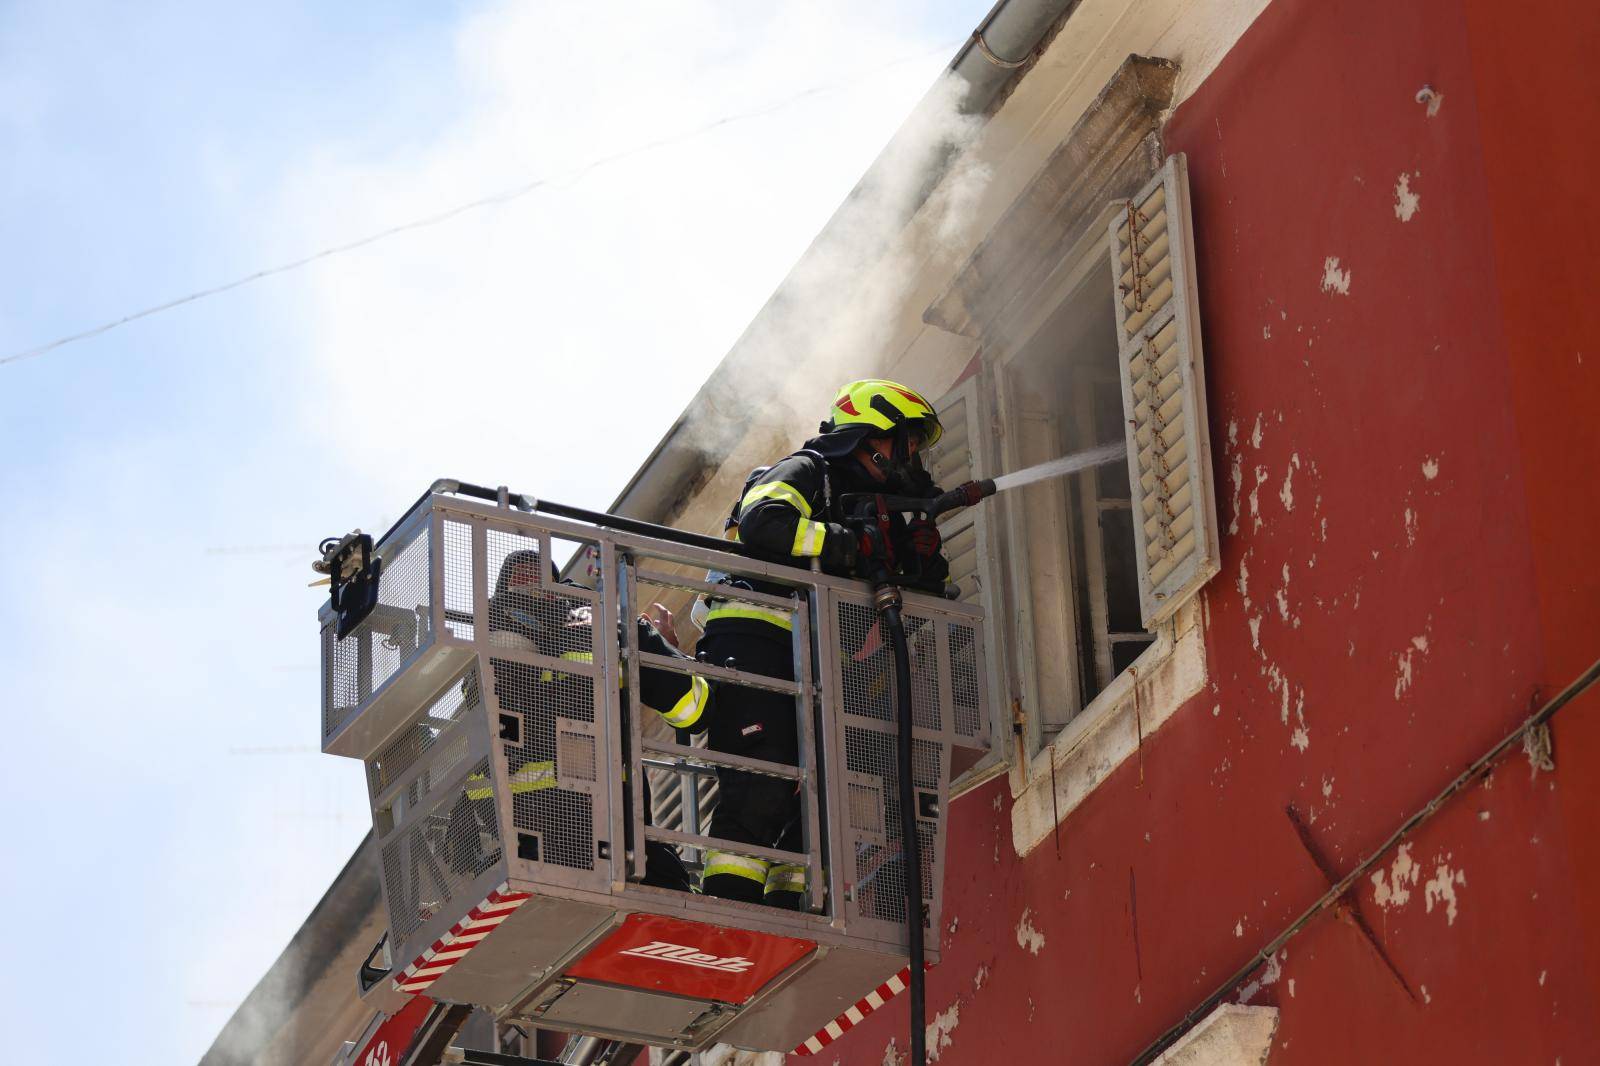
x,y
1231,1035
1109,730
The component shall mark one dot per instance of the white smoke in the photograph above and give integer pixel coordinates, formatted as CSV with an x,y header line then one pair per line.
x,y
834,316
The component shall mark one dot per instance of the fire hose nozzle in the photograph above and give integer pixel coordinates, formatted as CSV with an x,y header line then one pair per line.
x,y
961,496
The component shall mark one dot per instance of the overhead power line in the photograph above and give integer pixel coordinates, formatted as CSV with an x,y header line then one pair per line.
x,y
494,199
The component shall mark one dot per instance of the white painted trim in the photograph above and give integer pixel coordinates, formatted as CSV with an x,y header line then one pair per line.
x,y
1108,731
1231,1035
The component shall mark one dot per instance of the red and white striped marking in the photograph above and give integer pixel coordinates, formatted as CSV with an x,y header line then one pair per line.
x,y
853,1015
461,938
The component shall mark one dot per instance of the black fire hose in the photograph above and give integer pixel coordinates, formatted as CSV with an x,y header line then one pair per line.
x,y
887,600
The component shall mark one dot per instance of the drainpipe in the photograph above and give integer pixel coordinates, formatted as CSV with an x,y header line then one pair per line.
x,y
1003,44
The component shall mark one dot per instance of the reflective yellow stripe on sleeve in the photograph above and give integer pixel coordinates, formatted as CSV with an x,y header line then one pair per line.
x,y
808,538
776,490
725,862
781,619
687,711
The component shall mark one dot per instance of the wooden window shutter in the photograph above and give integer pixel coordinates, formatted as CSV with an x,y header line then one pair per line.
x,y
964,452
960,456
1163,393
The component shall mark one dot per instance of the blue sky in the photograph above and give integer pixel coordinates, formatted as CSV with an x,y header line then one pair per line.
x,y
172,822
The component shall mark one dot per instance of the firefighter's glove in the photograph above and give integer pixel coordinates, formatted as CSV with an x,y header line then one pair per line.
x,y
924,538
848,547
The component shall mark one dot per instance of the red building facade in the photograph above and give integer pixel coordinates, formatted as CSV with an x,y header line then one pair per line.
x,y
1389,209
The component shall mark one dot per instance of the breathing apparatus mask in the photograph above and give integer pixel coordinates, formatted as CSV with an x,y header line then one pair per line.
x,y
901,467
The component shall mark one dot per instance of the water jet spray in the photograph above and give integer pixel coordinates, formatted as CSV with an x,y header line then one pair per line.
x,y
972,492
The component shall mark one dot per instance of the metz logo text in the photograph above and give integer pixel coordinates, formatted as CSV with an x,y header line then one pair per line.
x,y
687,956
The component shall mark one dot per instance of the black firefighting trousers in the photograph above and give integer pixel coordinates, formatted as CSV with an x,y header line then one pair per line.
x,y
753,808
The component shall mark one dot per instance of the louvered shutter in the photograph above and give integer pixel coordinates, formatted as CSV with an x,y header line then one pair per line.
x,y
959,457
962,454
1163,393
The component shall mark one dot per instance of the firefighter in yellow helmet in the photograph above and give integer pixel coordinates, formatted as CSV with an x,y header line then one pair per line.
x,y
789,512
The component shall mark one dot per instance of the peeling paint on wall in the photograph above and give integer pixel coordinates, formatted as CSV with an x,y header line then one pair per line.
x,y
1300,739
1236,474
1394,890
1333,279
1441,888
1255,499
939,1029
1430,467
1269,976
1411,527
1027,936
1286,494
1405,201
1403,664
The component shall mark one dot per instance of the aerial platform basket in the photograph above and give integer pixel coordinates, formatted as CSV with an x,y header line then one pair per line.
x,y
511,816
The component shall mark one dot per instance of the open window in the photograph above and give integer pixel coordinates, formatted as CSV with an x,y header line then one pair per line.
x,y
1100,559
1082,302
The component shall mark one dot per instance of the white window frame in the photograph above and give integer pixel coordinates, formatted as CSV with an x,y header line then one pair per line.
x,y
1082,264
1035,256
1111,728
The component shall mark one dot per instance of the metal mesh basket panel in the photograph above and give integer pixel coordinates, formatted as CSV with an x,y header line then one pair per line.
x,y
443,851
866,664
965,696
550,755
458,617
879,877
374,651
922,642
867,667
430,727
575,753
